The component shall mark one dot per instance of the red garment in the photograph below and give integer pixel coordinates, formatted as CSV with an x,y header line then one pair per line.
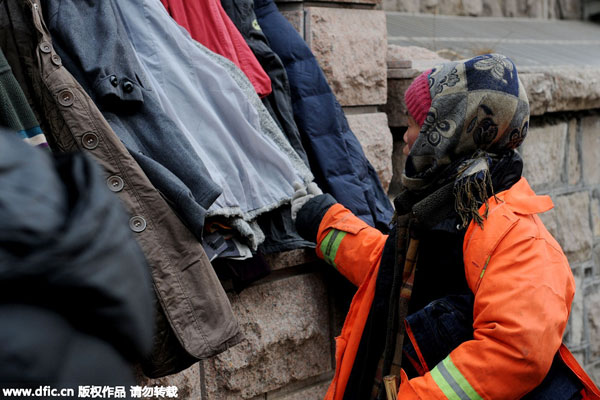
x,y
207,22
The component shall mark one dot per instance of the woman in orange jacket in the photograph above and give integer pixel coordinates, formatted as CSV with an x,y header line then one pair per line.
x,y
469,296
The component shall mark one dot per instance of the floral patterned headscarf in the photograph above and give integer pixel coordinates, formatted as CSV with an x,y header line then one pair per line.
x,y
479,109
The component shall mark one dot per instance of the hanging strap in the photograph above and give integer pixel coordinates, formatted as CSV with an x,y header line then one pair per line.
x,y
406,253
408,278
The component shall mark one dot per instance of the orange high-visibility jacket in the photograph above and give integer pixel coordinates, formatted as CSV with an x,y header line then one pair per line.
x,y
523,289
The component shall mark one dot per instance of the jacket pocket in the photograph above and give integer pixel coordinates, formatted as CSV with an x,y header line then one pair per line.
x,y
350,224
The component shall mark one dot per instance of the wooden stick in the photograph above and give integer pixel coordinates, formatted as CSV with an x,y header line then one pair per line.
x,y
391,387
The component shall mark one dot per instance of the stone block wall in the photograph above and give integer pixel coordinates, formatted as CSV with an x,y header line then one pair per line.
x,y
547,9
287,339
561,160
289,320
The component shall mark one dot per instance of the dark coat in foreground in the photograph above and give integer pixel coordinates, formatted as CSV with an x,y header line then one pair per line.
x,y
75,293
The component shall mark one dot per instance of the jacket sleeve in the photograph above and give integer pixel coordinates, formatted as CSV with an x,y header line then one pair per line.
x,y
82,28
523,291
348,243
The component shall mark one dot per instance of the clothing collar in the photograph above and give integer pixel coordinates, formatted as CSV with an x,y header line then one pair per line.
x,y
522,199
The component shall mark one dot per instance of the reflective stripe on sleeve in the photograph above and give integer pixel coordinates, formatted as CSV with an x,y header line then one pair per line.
x,y
452,382
330,245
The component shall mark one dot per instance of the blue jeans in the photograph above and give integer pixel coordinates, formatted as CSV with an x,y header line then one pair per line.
x,y
445,323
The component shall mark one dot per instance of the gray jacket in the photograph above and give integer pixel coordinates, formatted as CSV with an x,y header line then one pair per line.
x,y
275,229
279,102
188,291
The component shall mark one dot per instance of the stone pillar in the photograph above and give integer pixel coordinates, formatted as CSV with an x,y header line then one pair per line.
x,y
354,63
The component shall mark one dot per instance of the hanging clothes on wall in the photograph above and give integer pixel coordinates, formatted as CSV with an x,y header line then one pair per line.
x,y
195,319
279,231
279,102
244,150
208,23
268,124
335,155
115,80
15,112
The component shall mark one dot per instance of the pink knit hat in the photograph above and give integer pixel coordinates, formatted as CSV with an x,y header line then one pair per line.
x,y
418,98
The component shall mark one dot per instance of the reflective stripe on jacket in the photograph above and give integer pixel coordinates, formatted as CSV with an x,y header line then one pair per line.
x,y
523,288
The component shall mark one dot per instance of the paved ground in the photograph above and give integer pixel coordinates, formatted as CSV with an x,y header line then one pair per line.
x,y
529,42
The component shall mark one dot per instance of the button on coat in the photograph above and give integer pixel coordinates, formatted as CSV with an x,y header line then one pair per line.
x,y
127,86
115,183
65,98
89,140
137,224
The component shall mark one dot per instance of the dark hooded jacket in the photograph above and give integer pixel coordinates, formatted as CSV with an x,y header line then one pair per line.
x,y
75,292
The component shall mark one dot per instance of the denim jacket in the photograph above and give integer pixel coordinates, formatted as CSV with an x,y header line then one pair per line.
x,y
115,80
254,165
